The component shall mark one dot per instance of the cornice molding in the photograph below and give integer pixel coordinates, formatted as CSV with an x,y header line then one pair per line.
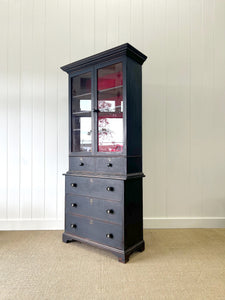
x,y
124,49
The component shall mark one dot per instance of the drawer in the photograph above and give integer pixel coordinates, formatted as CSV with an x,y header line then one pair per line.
x,y
112,165
82,164
100,232
95,187
96,208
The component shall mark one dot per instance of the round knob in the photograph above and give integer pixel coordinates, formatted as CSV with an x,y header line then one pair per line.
x,y
73,204
81,164
109,235
109,188
109,211
73,226
73,184
109,165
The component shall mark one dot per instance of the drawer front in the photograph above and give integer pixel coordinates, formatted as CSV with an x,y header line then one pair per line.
x,y
86,164
111,165
100,232
96,208
95,187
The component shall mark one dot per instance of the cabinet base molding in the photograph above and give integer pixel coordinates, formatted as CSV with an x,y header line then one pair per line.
x,y
122,255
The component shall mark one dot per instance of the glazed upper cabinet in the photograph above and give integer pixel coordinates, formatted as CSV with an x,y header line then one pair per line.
x,y
103,200
110,108
81,112
96,110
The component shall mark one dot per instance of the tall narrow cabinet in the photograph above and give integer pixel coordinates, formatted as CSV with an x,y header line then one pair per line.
x,y
103,200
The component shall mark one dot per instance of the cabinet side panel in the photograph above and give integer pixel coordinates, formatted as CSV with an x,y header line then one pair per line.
x,y
134,164
134,108
133,214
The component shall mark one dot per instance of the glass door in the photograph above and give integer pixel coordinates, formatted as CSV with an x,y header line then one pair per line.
x,y
81,124
110,108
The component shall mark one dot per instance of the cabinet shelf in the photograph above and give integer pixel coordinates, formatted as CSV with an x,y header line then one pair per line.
x,y
82,113
81,95
111,115
110,89
111,94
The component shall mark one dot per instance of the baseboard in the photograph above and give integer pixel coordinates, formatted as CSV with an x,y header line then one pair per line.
x,y
34,224
149,223
201,222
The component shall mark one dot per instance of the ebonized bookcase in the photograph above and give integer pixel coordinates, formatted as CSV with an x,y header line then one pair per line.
x,y
103,200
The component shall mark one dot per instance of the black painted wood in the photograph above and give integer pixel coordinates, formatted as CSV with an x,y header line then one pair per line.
x,y
123,255
133,215
134,108
92,229
134,164
103,202
81,164
105,210
111,165
95,187
122,50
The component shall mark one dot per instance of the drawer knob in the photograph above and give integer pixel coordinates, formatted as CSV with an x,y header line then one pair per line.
x,y
73,204
109,165
109,235
73,184
110,189
81,164
109,211
73,226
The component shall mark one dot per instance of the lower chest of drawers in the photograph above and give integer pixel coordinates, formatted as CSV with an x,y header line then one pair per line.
x,y
106,213
94,209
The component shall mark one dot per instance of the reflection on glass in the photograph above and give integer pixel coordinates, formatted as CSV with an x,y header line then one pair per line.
x,y
81,134
110,77
81,137
110,136
106,105
81,84
110,106
85,105
81,105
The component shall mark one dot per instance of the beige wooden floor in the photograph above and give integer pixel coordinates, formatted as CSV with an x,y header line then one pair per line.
x,y
177,264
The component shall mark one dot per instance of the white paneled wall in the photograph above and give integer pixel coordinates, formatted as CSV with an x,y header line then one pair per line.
x,y
183,101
